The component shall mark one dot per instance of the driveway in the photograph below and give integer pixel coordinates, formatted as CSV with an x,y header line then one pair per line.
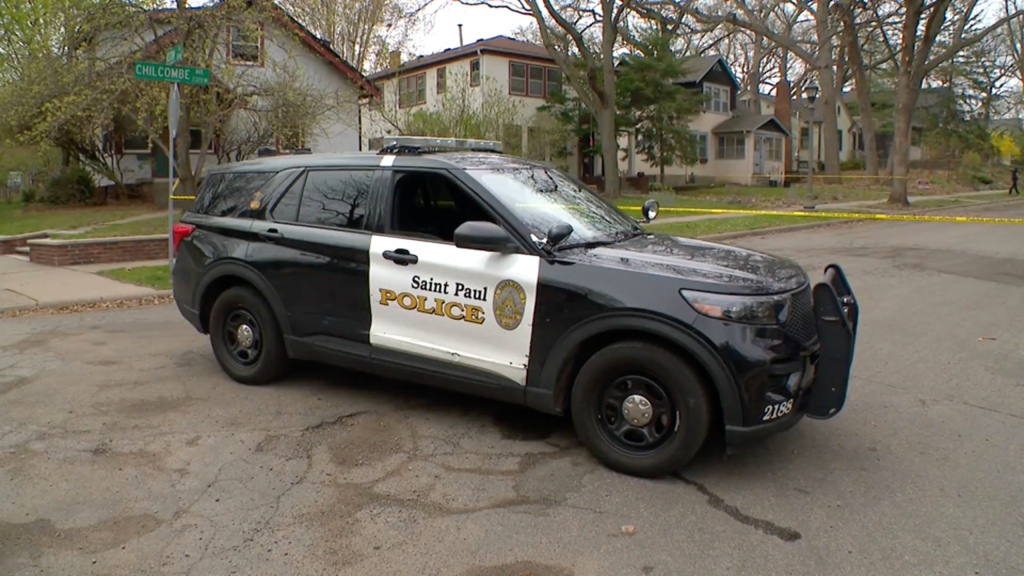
x,y
124,450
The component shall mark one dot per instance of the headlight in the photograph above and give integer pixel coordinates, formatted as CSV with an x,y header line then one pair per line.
x,y
770,310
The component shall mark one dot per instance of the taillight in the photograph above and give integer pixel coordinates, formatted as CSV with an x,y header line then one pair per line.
x,y
179,232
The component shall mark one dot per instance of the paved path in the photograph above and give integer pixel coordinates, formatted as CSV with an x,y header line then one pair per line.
x,y
124,450
24,285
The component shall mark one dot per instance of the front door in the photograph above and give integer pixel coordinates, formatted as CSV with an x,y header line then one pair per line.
x,y
313,248
759,154
468,308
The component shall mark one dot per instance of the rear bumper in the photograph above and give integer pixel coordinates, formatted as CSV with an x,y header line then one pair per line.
x,y
837,314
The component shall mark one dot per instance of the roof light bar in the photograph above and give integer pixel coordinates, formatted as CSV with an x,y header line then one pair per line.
x,y
425,144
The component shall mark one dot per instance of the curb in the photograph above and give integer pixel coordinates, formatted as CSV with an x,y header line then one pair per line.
x,y
157,297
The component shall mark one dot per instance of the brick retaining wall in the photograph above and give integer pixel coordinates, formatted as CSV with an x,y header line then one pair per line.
x,y
9,243
52,252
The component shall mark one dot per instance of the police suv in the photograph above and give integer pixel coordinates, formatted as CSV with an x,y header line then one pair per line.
x,y
448,263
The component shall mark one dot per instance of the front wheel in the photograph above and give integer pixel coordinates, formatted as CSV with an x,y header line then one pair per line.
x,y
245,337
640,409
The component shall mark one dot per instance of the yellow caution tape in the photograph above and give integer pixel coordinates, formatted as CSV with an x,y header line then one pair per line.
x,y
843,215
183,197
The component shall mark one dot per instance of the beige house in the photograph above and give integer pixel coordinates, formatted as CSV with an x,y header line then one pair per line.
x,y
735,144
519,72
804,116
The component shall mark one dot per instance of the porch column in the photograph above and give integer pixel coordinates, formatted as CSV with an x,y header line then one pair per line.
x,y
631,154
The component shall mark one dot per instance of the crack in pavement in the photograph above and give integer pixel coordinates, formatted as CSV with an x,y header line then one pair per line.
x,y
768,527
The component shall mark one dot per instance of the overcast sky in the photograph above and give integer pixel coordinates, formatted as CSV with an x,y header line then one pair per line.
x,y
477,22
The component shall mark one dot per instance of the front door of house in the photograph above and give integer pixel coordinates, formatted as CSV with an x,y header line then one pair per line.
x,y
758,154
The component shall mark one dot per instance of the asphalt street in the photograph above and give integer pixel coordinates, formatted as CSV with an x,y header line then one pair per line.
x,y
124,450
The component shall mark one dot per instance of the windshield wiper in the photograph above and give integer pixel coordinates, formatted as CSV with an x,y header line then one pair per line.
x,y
619,237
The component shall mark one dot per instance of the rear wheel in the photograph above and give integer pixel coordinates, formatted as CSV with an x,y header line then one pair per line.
x,y
245,337
640,409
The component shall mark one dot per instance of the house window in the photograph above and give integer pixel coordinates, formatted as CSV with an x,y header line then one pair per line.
x,y
718,98
554,81
474,72
732,147
702,147
840,134
195,140
805,138
412,90
245,45
442,80
533,80
517,78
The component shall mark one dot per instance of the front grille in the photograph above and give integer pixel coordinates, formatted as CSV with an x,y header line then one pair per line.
x,y
800,324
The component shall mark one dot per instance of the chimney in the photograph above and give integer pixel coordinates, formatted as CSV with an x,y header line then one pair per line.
x,y
460,36
784,114
395,59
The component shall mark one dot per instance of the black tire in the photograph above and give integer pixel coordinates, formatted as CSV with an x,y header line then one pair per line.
x,y
678,406
266,359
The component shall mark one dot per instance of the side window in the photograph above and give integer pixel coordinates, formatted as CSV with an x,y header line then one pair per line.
x,y
336,198
287,208
431,206
229,193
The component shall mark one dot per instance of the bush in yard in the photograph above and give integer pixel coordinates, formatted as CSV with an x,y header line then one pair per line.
x,y
73,185
29,196
855,164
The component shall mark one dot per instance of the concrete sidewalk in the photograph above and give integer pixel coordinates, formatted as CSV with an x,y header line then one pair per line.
x,y
26,285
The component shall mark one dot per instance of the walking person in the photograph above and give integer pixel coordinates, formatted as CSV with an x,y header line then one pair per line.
x,y
1013,181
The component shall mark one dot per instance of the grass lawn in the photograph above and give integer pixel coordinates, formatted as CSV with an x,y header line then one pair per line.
x,y
155,225
16,218
158,277
698,228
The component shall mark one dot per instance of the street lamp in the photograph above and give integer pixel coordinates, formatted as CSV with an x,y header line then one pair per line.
x,y
811,93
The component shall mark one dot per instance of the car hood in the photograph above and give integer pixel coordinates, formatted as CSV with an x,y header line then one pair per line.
x,y
701,265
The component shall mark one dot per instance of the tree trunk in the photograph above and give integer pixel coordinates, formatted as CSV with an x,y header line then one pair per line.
x,y
827,77
855,58
754,75
609,149
906,98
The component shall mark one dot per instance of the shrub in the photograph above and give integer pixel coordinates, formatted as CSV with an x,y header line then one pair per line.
x,y
73,185
855,164
29,196
983,179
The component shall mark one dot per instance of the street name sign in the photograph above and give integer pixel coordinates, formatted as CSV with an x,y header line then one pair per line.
x,y
154,72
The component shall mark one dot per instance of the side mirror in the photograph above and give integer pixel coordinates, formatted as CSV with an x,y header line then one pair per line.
x,y
480,235
558,233
649,210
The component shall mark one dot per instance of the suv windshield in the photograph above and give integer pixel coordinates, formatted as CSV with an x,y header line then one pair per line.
x,y
543,197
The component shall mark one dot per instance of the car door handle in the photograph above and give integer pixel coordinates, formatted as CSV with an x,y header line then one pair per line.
x,y
271,235
401,256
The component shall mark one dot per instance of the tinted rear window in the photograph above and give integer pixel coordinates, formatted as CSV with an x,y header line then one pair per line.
x,y
229,193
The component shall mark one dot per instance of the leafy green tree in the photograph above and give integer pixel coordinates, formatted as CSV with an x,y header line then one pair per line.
x,y
659,110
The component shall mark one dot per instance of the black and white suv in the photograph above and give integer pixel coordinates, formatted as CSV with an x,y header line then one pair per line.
x,y
472,270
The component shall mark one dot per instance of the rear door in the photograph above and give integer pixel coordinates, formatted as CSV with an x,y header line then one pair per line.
x,y
458,310
313,249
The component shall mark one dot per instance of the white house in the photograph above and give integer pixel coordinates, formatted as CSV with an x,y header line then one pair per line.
x,y
269,43
522,71
735,145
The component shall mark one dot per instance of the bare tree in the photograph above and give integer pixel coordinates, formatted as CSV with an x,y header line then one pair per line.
x,y
363,32
591,33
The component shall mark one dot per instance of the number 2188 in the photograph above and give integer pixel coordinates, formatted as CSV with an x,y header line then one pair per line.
x,y
777,410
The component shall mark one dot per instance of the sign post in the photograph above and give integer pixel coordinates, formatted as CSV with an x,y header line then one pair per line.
x,y
173,111
171,72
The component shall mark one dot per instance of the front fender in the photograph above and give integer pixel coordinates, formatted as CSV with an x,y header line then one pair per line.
x,y
549,393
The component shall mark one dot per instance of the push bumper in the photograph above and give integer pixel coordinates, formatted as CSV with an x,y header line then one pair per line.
x,y
836,315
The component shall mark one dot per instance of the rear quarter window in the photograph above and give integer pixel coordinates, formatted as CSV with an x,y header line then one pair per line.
x,y
228,194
